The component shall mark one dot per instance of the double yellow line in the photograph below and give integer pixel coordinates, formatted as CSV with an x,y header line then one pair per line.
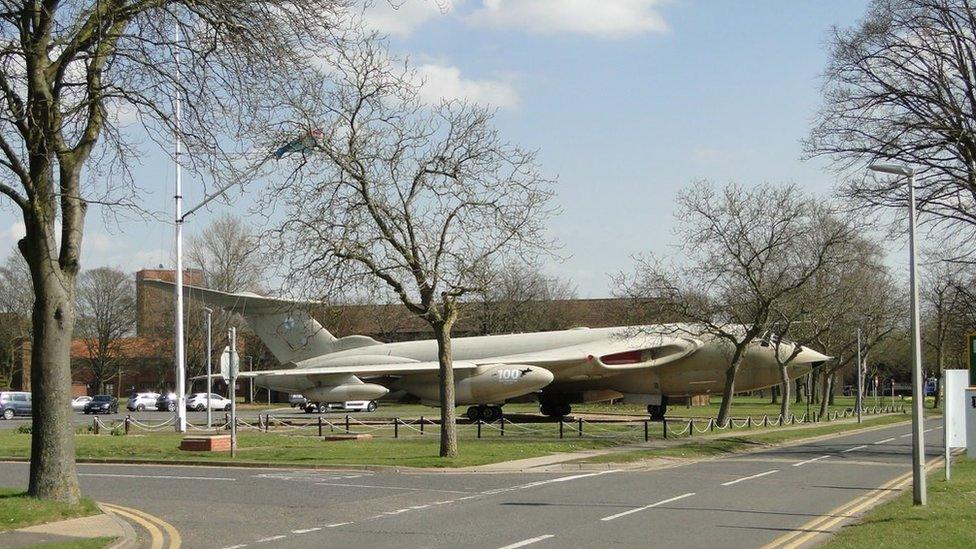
x,y
824,523
159,530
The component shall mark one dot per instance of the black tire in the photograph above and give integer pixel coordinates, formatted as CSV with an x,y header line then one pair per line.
x,y
371,407
492,413
141,408
171,407
8,414
200,408
474,413
323,407
227,408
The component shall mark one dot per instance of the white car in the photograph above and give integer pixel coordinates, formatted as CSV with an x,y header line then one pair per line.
x,y
78,403
198,402
348,406
141,401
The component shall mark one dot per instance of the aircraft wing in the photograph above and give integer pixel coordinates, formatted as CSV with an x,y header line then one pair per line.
x,y
367,370
611,355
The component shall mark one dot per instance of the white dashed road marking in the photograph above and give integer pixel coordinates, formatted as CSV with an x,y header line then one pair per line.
x,y
854,448
272,538
165,477
639,509
529,541
809,461
738,480
305,530
336,525
885,440
389,487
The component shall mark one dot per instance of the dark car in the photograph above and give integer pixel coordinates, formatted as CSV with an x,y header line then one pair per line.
x,y
166,402
14,403
102,404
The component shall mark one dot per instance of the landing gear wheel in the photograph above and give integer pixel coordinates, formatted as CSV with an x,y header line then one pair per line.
x,y
474,413
555,410
310,408
491,413
656,412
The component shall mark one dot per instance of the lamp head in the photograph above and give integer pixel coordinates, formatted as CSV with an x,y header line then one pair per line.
x,y
896,169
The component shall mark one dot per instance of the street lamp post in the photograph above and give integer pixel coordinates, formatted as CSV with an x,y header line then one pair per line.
x,y
209,313
860,388
250,381
918,434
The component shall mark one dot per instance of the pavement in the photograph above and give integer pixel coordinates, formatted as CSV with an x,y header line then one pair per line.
x,y
784,496
105,525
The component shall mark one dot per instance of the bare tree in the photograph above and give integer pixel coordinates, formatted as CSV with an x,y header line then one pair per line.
x,y
16,302
228,254
521,298
106,312
69,73
745,251
900,85
419,197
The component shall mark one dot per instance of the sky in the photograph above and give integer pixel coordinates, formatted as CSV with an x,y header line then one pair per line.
x,y
626,101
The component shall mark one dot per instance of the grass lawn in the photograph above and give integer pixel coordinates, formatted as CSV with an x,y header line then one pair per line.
x,y
17,510
737,443
949,519
280,448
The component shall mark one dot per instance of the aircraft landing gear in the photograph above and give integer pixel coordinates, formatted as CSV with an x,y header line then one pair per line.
x,y
657,411
555,410
487,414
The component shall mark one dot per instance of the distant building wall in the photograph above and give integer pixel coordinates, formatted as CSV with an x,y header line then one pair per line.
x,y
154,306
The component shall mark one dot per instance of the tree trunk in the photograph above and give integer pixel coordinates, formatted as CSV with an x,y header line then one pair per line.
x,y
773,394
449,447
799,392
784,407
52,464
726,407
824,393
940,361
833,384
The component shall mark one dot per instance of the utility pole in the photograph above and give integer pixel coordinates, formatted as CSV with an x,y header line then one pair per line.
x,y
178,336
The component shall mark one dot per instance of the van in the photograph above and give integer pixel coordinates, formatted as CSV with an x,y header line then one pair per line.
x,y
15,403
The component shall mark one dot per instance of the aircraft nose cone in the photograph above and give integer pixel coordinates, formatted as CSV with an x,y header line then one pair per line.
x,y
539,376
810,356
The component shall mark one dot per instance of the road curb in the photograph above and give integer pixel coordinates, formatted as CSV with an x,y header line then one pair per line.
x,y
129,539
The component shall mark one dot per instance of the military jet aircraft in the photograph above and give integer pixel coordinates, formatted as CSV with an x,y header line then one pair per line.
x,y
641,364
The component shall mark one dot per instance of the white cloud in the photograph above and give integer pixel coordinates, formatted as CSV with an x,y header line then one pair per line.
x,y
603,18
402,17
446,82
10,236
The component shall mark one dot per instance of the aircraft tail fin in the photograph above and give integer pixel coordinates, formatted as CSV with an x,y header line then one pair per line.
x,y
284,325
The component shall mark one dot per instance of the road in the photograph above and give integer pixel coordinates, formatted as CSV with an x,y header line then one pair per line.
x,y
746,500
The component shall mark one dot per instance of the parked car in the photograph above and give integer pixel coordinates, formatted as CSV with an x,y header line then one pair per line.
x,y
102,404
140,401
297,401
78,403
348,406
167,402
15,403
198,402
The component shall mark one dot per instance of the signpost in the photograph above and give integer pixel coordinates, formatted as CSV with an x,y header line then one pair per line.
x,y
971,353
229,364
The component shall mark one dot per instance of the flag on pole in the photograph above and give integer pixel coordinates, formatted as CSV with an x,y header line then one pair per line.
x,y
301,144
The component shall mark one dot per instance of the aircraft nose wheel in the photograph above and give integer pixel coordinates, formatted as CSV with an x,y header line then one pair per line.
x,y
484,413
656,412
555,410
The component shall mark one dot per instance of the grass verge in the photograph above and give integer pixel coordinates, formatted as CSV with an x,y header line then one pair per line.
x,y
947,520
18,510
738,443
288,449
